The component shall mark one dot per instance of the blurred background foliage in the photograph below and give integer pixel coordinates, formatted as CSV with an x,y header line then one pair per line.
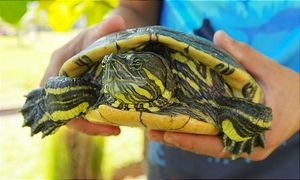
x,y
29,32
61,15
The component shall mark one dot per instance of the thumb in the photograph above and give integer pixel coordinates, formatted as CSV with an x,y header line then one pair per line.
x,y
254,62
80,42
111,24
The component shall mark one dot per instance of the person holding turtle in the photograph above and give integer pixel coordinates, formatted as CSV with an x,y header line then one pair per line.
x,y
275,32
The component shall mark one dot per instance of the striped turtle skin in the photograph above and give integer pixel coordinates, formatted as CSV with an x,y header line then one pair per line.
x,y
156,78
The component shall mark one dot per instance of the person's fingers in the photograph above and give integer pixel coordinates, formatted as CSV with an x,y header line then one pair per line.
x,y
254,62
111,24
88,36
200,144
93,128
80,42
156,135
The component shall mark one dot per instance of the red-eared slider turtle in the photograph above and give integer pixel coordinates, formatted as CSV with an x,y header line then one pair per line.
x,y
157,78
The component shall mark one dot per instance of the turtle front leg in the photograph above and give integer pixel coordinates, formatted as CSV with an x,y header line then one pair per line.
x,y
242,123
61,100
35,114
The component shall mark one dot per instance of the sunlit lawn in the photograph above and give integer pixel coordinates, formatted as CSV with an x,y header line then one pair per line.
x,y
22,64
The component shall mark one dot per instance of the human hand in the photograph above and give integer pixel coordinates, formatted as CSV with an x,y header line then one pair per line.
x,y
80,42
281,88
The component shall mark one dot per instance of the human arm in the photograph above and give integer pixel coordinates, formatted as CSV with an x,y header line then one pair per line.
x,y
281,89
129,14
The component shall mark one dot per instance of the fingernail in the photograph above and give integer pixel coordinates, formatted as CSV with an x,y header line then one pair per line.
x,y
110,132
107,17
170,139
118,18
153,137
116,132
104,20
228,38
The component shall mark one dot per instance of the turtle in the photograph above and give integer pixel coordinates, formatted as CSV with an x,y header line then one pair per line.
x,y
157,78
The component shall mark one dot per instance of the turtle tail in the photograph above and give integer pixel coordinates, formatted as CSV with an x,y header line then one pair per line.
x,y
35,114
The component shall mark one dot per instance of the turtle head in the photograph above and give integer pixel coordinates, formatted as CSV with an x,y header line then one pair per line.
x,y
135,77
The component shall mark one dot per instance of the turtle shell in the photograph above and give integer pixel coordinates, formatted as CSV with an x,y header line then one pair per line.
x,y
191,46
156,78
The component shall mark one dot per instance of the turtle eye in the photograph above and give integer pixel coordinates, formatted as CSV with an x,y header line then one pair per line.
x,y
136,63
103,64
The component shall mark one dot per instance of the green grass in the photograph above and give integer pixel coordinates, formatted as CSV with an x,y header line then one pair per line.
x,y
22,65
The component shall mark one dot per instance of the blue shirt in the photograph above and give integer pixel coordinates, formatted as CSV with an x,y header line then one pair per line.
x,y
273,28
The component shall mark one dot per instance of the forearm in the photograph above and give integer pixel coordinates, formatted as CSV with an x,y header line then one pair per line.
x,y
138,13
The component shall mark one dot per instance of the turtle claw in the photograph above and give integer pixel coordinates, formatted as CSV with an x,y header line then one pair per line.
x,y
35,116
32,109
49,127
237,148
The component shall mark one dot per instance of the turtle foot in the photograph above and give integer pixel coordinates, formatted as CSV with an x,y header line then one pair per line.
x,y
35,116
237,148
